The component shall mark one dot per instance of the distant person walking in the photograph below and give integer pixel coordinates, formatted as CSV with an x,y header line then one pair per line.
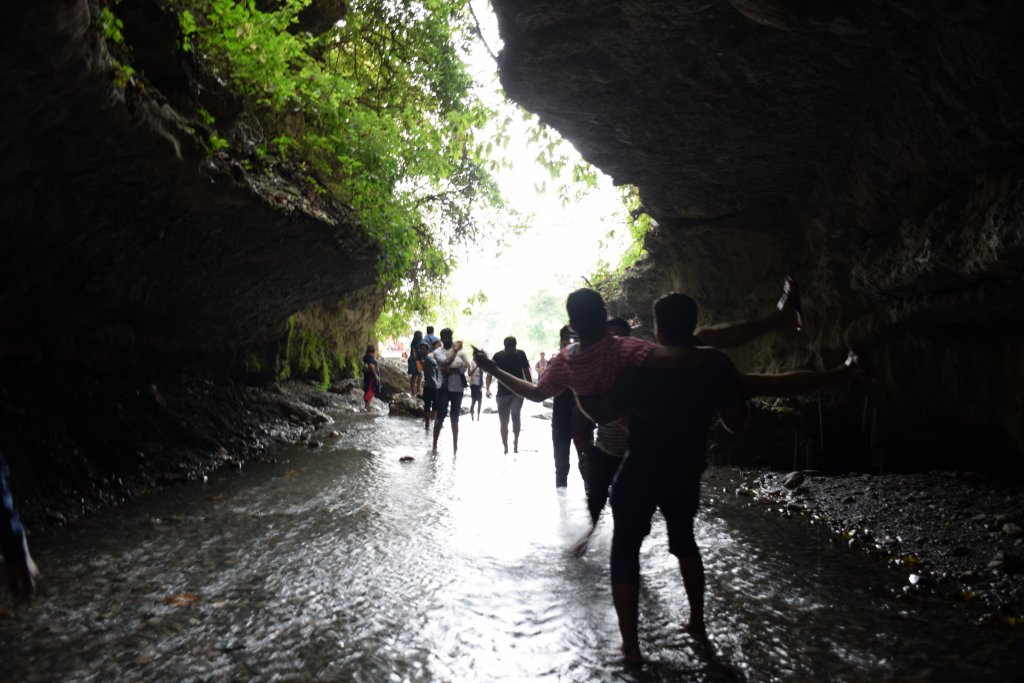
x,y
431,380
515,363
371,376
430,337
453,363
415,365
476,390
541,365
562,407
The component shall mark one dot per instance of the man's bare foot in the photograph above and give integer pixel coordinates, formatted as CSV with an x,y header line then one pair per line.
x,y
631,654
789,304
697,630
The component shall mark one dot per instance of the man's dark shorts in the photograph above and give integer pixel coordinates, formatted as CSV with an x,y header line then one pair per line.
x,y
638,491
476,393
429,398
448,401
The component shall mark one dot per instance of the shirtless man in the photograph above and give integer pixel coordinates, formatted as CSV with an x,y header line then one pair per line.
x,y
670,413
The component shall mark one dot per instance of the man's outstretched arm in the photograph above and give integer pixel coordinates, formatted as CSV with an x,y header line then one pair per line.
x,y
517,385
788,315
789,384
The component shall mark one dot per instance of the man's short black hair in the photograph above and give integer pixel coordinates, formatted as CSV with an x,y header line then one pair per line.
x,y
509,342
675,316
587,312
430,329
446,332
620,324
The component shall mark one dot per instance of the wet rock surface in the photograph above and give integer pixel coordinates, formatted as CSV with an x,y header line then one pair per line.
x,y
953,533
73,451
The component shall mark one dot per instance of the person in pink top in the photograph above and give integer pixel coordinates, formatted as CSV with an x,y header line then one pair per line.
x,y
591,366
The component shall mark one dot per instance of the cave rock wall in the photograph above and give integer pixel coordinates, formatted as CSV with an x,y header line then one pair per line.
x,y
122,235
871,149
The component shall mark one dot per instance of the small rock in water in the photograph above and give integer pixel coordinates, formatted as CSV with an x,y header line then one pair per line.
x,y
793,479
1012,530
406,458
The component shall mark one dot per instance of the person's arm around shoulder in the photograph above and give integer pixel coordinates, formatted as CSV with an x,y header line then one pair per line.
x,y
684,357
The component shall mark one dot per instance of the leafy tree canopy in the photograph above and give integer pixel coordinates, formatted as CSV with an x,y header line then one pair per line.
x,y
379,109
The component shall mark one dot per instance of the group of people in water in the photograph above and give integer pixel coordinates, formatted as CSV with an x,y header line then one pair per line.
x,y
652,405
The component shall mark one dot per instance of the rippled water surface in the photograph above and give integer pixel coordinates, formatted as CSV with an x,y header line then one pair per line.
x,y
345,564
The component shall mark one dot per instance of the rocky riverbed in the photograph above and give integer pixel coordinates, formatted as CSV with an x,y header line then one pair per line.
x,y
956,534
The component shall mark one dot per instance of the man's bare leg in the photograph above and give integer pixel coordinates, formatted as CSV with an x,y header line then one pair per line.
x,y
455,437
437,433
627,603
692,569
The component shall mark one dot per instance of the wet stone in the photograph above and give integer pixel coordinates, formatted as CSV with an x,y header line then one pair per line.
x,y
793,480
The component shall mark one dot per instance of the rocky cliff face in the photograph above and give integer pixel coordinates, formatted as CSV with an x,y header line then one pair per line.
x,y
120,232
873,150
132,256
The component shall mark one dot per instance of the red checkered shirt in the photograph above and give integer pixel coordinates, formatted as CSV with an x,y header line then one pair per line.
x,y
593,370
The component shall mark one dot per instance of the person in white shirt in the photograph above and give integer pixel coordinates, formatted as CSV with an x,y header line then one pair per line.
x,y
453,363
476,391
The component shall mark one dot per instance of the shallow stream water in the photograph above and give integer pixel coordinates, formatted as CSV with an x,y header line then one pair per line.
x,y
345,564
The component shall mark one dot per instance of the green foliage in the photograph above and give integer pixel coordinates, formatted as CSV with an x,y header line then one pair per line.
x,y
552,156
607,279
380,109
254,363
110,25
123,74
205,116
189,28
216,143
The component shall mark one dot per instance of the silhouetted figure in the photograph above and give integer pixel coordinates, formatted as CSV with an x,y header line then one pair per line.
x,y
510,405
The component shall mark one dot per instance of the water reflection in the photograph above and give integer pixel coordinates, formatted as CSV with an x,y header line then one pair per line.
x,y
346,564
